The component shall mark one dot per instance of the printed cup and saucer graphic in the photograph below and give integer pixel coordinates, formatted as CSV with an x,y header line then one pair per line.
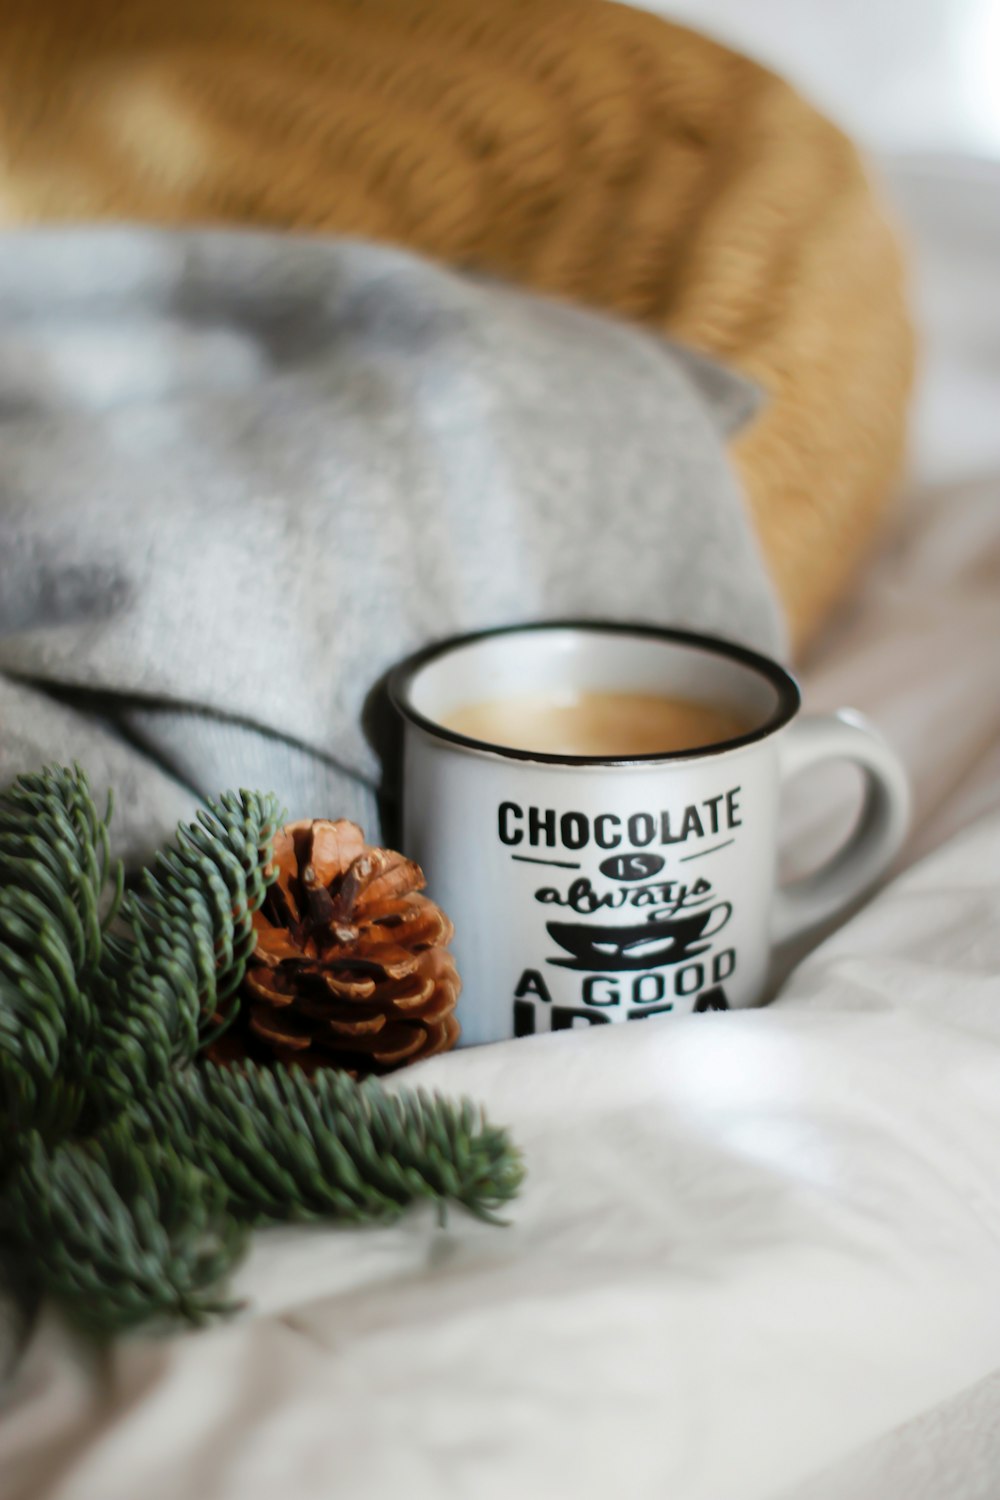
x,y
641,945
591,889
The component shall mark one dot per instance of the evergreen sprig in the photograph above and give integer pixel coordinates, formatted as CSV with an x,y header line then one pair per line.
x,y
187,932
122,1232
289,1148
55,871
130,1168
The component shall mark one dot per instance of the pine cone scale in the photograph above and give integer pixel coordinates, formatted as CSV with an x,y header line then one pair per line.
x,y
394,1044
283,1030
269,993
421,929
328,849
419,989
355,1025
273,943
348,987
435,1008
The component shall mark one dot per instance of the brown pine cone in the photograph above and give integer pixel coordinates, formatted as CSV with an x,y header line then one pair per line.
x,y
351,968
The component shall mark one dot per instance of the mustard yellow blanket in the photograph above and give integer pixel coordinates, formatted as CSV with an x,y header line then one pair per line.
x,y
580,147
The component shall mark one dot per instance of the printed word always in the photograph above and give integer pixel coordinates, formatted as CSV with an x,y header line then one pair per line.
x,y
660,898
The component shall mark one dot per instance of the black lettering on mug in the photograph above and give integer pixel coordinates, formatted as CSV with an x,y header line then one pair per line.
x,y
505,813
550,828
600,989
641,829
713,999
574,830
648,988
723,965
604,840
689,979
666,836
651,1010
564,1017
532,983
630,866
524,1018
712,803
542,823
692,823
678,826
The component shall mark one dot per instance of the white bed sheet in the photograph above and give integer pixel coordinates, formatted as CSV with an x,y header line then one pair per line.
x,y
751,1247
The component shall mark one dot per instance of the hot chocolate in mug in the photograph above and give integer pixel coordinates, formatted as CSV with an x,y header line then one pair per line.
x,y
589,889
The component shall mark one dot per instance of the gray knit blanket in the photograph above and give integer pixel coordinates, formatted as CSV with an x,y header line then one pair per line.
x,y
242,474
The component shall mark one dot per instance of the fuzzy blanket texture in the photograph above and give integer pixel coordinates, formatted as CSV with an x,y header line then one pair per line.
x,y
241,475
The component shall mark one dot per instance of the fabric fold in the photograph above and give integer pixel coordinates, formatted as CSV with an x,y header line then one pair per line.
x,y
243,474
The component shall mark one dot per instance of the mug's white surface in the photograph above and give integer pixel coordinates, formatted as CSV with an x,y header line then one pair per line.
x,y
589,893
530,859
517,976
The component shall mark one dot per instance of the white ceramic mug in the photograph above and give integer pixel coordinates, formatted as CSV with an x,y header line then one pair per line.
x,y
592,889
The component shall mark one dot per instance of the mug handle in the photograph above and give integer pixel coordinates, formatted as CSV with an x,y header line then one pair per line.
x,y
881,827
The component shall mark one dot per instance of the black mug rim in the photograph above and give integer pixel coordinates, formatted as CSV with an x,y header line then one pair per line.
x,y
789,698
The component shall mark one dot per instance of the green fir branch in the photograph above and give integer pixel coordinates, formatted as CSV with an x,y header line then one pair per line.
x,y
186,934
129,1167
55,867
122,1232
289,1147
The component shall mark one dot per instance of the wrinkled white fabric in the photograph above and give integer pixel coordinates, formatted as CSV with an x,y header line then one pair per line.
x,y
751,1247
